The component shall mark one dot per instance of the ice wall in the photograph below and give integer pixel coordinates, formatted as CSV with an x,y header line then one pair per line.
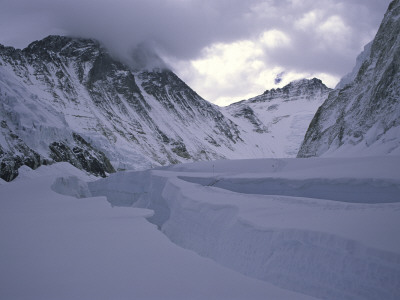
x,y
314,246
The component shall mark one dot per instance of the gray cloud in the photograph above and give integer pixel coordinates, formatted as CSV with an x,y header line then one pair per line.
x,y
183,28
180,27
312,51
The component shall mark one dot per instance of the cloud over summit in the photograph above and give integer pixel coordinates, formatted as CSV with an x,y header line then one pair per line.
x,y
291,36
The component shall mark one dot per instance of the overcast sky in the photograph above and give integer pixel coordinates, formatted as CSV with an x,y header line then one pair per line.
x,y
226,50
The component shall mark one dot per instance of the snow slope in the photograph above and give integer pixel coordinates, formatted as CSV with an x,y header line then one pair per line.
x,y
59,247
277,120
336,240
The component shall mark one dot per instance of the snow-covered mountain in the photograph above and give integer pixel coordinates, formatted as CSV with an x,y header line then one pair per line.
x,y
68,99
278,119
363,118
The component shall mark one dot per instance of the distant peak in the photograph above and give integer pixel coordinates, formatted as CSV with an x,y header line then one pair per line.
x,y
393,5
305,81
57,43
300,84
142,57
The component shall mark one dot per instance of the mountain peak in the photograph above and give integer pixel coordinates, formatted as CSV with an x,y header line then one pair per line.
x,y
63,45
142,57
57,43
302,88
299,84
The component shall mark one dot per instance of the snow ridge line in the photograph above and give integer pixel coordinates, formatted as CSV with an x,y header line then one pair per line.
x,y
365,190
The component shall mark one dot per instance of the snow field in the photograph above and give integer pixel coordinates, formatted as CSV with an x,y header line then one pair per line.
x,y
328,249
58,247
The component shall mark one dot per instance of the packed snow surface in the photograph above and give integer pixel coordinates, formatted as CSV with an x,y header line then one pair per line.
x,y
59,247
215,231
325,227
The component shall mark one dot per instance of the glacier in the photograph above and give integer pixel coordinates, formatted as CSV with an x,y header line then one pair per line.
x,y
313,243
56,246
204,230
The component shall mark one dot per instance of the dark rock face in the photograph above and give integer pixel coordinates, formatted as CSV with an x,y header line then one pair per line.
x,y
309,88
246,112
10,161
83,156
363,118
